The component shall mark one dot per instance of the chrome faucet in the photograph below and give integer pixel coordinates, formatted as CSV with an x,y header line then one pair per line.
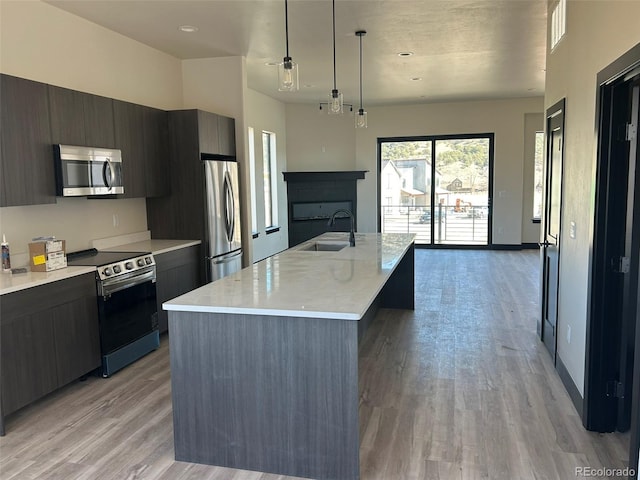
x,y
352,235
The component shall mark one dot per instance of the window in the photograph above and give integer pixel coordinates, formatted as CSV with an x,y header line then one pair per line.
x,y
269,182
252,172
537,176
558,23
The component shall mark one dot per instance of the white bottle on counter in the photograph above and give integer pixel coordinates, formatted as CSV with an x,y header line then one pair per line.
x,y
6,255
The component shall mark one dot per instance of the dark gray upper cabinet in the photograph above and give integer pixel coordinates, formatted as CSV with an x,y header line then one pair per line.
x,y
26,154
129,139
156,142
208,132
79,118
226,135
141,135
98,117
66,108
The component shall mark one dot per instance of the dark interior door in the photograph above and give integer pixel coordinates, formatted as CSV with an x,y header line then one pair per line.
x,y
550,247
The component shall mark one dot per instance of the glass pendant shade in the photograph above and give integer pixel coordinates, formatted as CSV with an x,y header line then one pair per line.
x,y
361,119
288,75
336,103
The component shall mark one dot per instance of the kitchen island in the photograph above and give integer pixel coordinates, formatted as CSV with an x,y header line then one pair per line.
x,y
264,363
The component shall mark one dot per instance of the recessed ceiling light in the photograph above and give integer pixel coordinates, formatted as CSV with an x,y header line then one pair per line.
x,y
405,54
188,28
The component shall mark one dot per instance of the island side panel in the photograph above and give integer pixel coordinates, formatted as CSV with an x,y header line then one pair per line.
x,y
271,394
399,291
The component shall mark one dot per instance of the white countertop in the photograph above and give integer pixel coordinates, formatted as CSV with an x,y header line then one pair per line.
x,y
13,282
154,246
10,283
339,284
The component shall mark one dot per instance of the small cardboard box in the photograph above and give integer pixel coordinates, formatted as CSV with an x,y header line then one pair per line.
x,y
47,255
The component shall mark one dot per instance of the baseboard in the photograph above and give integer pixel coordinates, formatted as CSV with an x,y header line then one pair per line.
x,y
521,246
569,385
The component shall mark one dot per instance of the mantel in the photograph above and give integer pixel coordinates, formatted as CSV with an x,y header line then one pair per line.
x,y
324,176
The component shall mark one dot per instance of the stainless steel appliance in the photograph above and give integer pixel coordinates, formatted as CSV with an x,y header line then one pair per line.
x,y
223,243
82,171
127,309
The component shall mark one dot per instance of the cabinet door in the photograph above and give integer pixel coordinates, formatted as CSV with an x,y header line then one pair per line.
x,y
98,121
208,132
156,146
27,359
48,337
26,153
75,329
177,272
67,116
129,139
226,135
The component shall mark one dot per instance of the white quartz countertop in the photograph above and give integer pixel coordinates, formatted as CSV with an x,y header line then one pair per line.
x,y
13,282
10,283
154,246
319,284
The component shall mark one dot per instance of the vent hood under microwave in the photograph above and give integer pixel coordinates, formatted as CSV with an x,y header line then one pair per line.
x,y
85,171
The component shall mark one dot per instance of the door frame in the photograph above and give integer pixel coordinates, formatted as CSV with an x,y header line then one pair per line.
x,y
599,410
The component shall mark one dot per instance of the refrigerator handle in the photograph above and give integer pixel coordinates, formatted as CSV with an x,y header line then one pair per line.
x,y
229,207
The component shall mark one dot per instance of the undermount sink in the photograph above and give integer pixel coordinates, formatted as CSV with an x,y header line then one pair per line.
x,y
324,246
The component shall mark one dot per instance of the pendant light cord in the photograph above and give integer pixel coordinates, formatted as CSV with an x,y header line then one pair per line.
x,y
334,45
286,25
360,71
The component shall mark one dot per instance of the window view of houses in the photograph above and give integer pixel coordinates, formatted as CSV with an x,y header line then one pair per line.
x,y
437,189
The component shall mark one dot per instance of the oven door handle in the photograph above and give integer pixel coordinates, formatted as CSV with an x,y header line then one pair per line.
x,y
107,289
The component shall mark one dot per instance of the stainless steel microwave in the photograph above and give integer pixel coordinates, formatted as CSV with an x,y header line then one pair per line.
x,y
82,171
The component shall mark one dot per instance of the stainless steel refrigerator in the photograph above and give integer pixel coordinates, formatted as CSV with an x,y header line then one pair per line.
x,y
223,244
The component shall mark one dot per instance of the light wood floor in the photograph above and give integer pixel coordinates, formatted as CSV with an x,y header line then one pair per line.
x,y
460,388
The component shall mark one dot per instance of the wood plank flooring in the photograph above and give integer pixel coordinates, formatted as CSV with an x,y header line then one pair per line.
x,y
460,388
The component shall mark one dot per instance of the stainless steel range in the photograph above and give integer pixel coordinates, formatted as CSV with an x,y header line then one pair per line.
x,y
126,287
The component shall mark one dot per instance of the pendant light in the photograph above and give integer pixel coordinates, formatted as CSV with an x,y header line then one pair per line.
x,y
361,116
288,69
336,101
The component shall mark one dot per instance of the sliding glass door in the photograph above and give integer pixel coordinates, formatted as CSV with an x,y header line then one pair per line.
x,y
437,188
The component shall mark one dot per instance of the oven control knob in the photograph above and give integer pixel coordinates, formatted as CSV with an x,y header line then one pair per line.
x,y
148,260
107,271
140,262
128,265
117,269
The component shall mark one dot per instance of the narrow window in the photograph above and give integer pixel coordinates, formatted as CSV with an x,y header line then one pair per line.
x,y
270,189
558,23
537,176
252,174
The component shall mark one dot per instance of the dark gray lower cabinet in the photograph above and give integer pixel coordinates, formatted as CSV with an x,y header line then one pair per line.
x,y
177,272
48,338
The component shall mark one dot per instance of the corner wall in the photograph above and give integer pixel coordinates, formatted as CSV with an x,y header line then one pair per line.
x,y
598,32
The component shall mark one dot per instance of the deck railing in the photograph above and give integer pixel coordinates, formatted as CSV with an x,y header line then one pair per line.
x,y
452,225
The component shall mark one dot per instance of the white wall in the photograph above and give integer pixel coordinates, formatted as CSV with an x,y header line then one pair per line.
x,y
43,43
598,32
346,148
219,85
533,122
266,114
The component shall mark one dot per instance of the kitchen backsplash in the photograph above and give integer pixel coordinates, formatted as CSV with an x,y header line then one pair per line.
x,y
79,221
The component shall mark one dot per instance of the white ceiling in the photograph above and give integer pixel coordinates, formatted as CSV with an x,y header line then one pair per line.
x,y
463,49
